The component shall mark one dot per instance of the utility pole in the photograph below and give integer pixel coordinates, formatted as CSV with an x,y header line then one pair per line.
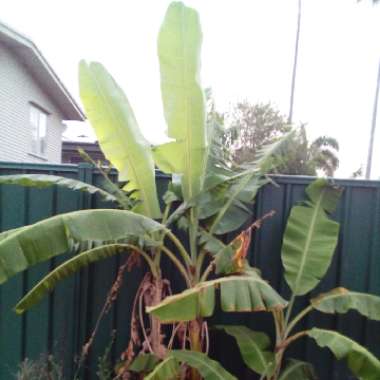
x,y
294,74
373,127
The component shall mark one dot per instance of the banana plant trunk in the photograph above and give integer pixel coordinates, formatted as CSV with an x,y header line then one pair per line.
x,y
195,335
156,335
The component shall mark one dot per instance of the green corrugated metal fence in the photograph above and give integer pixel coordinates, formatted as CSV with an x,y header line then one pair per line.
x,y
63,321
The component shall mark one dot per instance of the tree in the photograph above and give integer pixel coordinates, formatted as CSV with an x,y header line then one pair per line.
x,y
304,158
251,127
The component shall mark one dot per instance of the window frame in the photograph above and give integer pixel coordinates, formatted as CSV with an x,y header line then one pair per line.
x,y
38,142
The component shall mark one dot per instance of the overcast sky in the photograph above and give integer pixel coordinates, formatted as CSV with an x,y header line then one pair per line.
x,y
247,53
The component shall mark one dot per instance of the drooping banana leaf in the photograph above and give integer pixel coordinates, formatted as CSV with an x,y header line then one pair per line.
x,y
244,293
298,370
254,348
179,45
7,233
47,180
208,368
168,369
68,268
310,238
119,136
341,300
53,236
361,362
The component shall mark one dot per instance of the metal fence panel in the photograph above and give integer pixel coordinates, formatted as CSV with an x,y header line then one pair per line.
x,y
62,323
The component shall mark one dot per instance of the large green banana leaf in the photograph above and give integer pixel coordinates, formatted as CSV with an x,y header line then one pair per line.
x,y
310,238
168,369
119,136
179,45
254,348
341,300
361,362
208,368
54,236
244,293
298,370
47,180
68,268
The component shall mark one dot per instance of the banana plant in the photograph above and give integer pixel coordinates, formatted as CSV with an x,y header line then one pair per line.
x,y
308,246
206,198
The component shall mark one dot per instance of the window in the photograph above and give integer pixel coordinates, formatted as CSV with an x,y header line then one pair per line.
x,y
38,122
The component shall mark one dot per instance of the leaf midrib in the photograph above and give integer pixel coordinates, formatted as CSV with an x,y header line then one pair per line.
x,y
146,204
308,242
204,363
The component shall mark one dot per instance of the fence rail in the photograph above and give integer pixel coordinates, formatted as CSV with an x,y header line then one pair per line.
x,y
63,321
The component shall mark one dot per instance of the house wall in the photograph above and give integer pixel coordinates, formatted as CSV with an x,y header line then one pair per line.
x,y
17,89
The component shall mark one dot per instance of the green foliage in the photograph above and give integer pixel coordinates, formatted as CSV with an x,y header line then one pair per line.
x,y
341,300
208,368
179,46
237,293
298,370
55,236
249,127
310,238
254,347
168,369
71,266
118,134
309,243
43,180
361,362
209,195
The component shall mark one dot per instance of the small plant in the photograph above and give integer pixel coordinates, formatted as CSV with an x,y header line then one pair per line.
x,y
45,367
105,368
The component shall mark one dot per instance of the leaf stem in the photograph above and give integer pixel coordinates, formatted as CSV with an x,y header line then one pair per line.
x,y
199,264
207,272
193,229
180,247
289,310
178,264
298,318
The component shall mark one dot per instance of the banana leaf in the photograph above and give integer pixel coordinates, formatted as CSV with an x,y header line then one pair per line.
x,y
254,348
341,300
68,268
179,46
168,369
208,368
298,370
361,362
46,180
144,363
119,136
244,293
54,236
310,238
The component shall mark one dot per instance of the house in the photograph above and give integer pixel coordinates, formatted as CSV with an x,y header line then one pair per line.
x,y
33,102
70,153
